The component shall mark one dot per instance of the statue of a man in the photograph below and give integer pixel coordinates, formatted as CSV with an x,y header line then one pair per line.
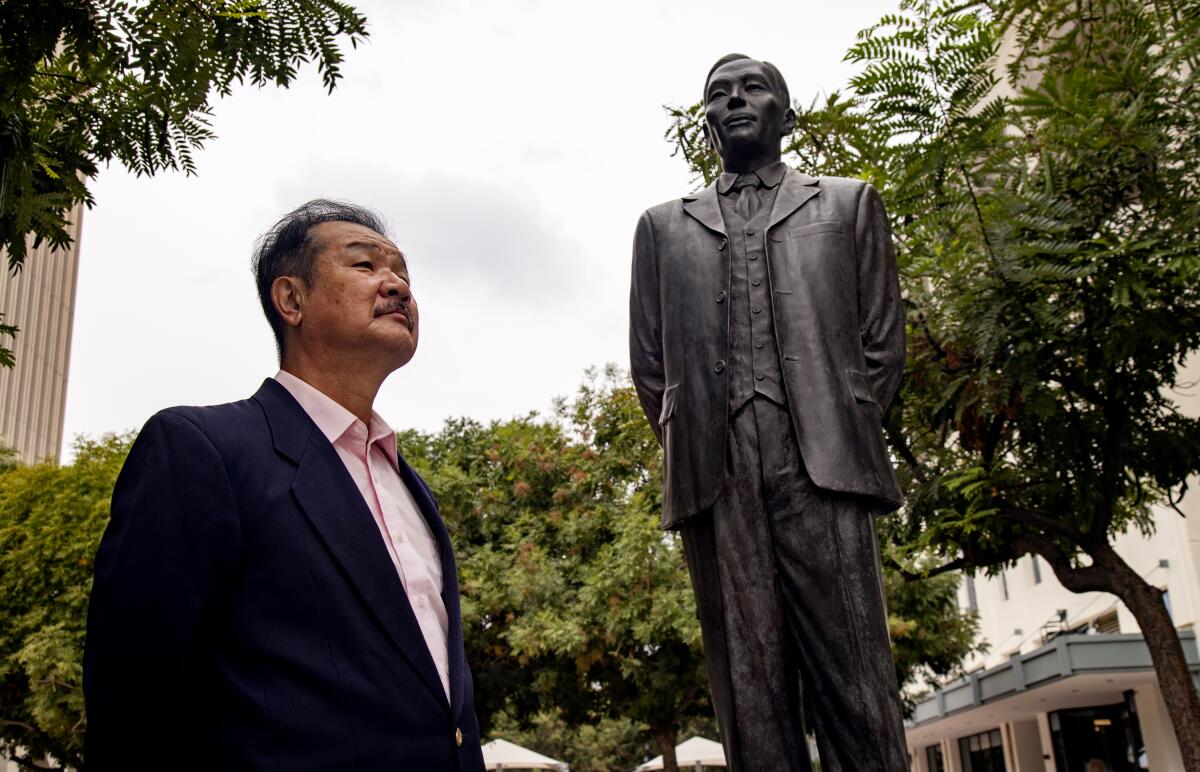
x,y
767,336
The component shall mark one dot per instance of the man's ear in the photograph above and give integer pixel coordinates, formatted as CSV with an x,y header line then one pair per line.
x,y
789,122
708,140
288,296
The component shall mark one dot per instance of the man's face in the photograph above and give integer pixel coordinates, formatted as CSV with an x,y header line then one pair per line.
x,y
745,118
360,298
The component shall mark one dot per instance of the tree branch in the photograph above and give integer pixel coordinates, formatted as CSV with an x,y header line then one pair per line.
x,y
1077,579
1029,517
1112,460
910,576
991,438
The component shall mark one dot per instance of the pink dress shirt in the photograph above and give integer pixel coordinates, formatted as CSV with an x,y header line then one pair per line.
x,y
370,458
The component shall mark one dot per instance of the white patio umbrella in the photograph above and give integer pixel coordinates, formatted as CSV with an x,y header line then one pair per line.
x,y
501,755
696,752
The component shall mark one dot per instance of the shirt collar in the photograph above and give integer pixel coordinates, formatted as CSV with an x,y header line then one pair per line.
x,y
335,421
771,175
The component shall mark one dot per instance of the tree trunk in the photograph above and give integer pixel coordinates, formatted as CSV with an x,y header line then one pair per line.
x,y
1145,602
666,746
1110,573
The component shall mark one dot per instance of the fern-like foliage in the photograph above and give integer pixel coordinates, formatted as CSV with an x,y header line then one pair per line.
x,y
10,331
86,83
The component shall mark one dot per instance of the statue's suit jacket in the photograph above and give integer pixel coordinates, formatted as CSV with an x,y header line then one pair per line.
x,y
246,615
839,327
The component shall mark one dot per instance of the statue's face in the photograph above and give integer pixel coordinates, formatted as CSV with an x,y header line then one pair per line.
x,y
744,117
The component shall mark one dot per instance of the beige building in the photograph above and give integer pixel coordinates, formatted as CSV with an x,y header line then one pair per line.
x,y
40,300
1067,684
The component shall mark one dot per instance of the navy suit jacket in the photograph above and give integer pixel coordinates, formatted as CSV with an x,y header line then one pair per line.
x,y
246,615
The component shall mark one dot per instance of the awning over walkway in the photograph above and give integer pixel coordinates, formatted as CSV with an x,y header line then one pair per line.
x,y
501,754
1069,671
695,752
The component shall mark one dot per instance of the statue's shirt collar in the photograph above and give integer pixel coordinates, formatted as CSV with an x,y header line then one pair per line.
x,y
771,175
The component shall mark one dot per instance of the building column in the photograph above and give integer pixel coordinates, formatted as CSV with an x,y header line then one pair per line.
x,y
1047,742
918,760
1027,746
1162,749
951,755
1006,744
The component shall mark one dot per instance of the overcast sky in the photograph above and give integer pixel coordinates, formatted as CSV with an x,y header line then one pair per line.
x,y
511,147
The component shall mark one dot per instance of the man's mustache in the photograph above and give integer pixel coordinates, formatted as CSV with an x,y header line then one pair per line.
x,y
400,306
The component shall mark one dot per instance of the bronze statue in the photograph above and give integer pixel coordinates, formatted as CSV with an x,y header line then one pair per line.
x,y
766,338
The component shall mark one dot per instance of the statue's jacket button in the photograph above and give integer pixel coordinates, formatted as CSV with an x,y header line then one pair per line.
x,y
721,296
719,367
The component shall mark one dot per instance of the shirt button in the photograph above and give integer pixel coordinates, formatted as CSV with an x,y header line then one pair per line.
x,y
421,601
756,282
721,296
753,258
759,376
758,344
756,309
749,231
719,367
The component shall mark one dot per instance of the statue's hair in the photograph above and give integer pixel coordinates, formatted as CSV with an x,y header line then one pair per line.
x,y
773,73
288,249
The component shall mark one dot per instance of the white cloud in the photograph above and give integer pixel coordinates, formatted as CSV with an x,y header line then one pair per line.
x,y
472,233
511,145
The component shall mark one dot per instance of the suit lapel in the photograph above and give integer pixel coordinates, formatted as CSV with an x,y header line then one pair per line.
x,y
705,207
334,506
454,639
794,191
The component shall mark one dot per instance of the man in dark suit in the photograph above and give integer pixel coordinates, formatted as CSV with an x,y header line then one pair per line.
x,y
275,589
767,336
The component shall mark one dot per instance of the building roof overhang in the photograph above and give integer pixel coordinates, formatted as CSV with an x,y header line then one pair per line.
x,y
1069,671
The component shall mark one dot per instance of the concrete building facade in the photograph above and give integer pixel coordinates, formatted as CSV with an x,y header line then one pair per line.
x,y
40,300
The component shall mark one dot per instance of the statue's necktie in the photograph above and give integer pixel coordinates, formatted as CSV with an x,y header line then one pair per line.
x,y
747,202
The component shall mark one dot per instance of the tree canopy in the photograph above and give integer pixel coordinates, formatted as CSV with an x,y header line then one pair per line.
x,y
577,609
1042,172
51,518
574,603
86,82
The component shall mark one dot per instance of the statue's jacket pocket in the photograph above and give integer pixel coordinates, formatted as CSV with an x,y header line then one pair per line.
x,y
860,387
668,404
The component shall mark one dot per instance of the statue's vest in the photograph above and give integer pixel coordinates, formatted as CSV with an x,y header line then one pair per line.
x,y
753,352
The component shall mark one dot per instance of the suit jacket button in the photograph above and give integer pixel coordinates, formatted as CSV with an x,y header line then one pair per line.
x,y
719,367
724,243
458,737
721,296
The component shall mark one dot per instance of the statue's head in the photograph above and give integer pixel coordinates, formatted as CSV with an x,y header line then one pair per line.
x,y
747,111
